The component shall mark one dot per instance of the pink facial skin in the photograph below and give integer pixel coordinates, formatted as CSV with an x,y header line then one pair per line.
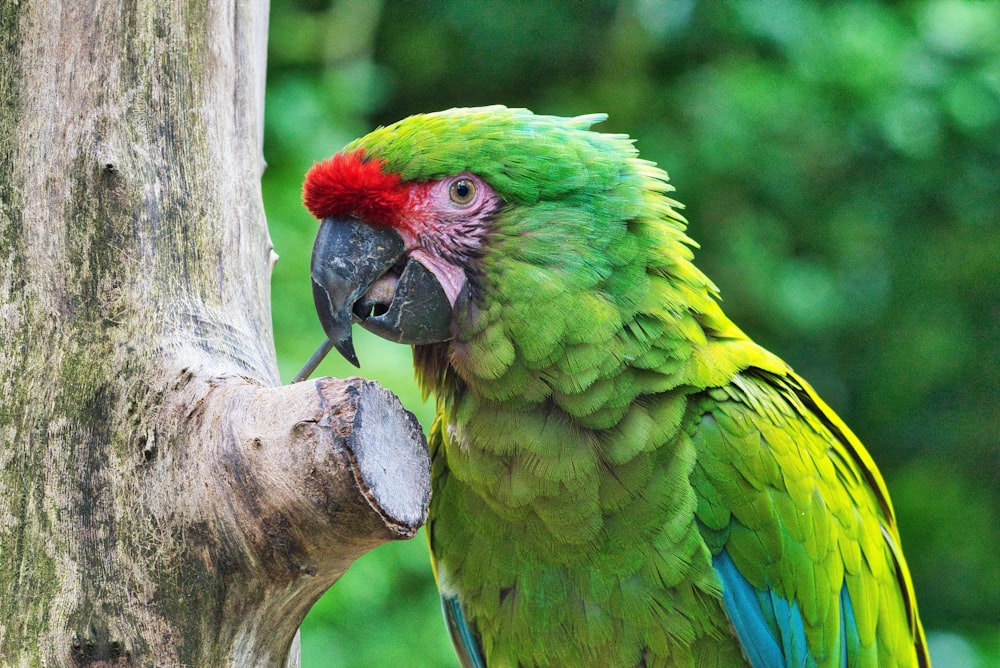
x,y
442,222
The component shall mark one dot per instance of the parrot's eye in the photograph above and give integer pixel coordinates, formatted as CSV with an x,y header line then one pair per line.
x,y
462,191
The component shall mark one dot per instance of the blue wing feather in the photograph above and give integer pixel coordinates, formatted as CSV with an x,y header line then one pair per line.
x,y
791,631
752,627
470,654
851,642
770,629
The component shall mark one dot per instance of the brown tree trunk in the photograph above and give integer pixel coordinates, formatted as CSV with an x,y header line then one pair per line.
x,y
162,500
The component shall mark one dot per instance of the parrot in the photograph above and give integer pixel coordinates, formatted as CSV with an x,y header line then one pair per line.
x,y
620,476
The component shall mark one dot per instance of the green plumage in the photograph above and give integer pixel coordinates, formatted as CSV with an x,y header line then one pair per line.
x,y
606,437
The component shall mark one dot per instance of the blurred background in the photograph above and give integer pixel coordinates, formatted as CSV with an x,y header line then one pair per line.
x,y
840,164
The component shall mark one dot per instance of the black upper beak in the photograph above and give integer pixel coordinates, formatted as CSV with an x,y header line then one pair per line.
x,y
360,274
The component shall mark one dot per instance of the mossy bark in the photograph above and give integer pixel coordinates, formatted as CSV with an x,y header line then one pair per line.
x,y
162,500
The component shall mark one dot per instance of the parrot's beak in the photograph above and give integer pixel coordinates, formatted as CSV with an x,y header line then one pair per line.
x,y
360,273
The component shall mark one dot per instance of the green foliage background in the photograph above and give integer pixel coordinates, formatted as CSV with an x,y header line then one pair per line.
x,y
840,163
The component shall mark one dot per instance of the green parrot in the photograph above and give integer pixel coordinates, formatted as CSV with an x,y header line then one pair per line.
x,y
621,477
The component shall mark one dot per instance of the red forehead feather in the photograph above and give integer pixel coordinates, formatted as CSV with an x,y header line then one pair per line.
x,y
349,185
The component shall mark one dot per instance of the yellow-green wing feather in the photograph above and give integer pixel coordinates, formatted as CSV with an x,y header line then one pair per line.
x,y
794,509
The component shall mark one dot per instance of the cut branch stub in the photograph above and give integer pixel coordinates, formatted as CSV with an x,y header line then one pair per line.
x,y
287,487
329,460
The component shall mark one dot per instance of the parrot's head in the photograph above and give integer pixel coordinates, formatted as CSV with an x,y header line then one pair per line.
x,y
439,222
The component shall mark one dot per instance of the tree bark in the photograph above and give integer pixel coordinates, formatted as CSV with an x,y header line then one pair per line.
x,y
162,500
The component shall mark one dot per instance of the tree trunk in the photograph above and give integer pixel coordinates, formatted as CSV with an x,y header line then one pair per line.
x,y
162,500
